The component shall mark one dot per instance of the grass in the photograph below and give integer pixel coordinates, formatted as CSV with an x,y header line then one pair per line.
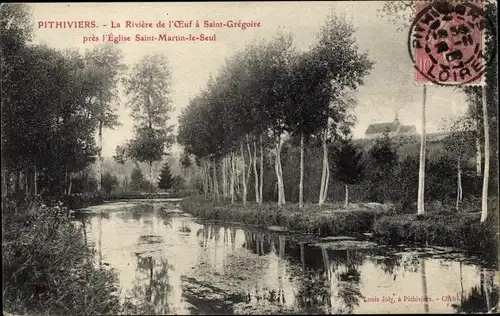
x,y
444,228
325,220
440,226
47,267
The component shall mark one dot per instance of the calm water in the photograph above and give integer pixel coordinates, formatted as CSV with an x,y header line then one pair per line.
x,y
176,264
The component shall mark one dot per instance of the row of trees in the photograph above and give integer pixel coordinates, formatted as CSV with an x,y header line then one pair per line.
x,y
267,93
53,104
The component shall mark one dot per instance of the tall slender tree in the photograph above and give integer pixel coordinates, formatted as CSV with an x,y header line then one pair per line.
x,y
148,89
106,61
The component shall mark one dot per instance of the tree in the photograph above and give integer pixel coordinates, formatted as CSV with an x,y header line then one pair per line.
x,y
148,88
109,182
349,164
166,180
121,157
335,71
383,160
105,62
459,145
137,180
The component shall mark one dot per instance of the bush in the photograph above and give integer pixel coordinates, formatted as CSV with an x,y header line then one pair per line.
x,y
109,182
47,267
442,227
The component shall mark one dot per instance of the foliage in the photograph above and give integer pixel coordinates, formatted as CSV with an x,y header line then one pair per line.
x,y
109,182
148,145
48,268
137,181
185,160
178,184
269,89
148,87
314,219
166,181
348,162
105,60
382,162
48,134
443,228
120,154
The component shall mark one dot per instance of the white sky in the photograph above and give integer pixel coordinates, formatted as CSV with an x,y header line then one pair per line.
x,y
389,86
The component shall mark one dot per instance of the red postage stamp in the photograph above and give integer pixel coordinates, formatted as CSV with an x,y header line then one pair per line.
x,y
446,42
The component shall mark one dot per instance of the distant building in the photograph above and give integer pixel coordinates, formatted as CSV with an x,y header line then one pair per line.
x,y
394,128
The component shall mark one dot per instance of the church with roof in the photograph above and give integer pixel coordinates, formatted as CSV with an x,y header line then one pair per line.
x,y
394,128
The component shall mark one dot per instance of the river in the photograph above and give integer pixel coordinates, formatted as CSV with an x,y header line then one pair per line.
x,y
168,262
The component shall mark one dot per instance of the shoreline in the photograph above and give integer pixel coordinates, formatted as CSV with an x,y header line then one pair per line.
x,y
461,231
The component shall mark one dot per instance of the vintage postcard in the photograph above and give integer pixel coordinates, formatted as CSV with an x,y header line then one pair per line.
x,y
207,158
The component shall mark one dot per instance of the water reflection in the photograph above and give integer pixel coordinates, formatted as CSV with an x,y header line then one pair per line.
x,y
172,264
151,287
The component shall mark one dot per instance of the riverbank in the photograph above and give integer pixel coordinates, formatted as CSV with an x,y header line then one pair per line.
x,y
325,220
437,228
48,267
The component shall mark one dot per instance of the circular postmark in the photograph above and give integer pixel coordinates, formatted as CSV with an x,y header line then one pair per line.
x,y
446,42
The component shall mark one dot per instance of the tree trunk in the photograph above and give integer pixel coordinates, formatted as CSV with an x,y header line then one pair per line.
x,y
278,175
243,180
283,199
301,182
224,182
5,183
322,183
459,185
346,202
327,178
261,170
209,179
484,203
237,178
256,175
204,179
151,177
249,161
325,174
70,183
216,183
421,172
99,159
233,174
478,150
35,184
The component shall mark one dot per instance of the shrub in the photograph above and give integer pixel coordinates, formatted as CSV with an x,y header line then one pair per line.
x,y
442,227
109,182
47,267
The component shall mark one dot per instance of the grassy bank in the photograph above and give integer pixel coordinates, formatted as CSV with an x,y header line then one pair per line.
x,y
47,267
323,220
438,227
446,228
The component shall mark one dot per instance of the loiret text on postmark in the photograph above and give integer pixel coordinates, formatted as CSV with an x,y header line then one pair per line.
x,y
446,42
